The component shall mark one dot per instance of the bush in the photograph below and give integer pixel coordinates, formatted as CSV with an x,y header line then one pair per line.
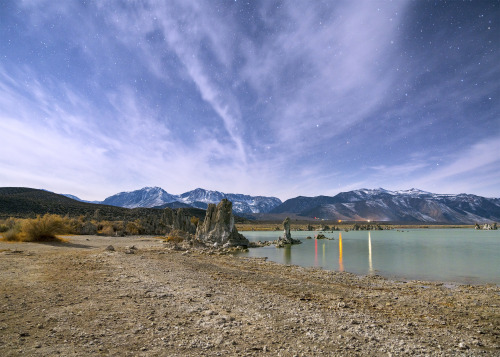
x,y
178,236
175,239
13,234
42,229
108,230
195,220
3,228
134,227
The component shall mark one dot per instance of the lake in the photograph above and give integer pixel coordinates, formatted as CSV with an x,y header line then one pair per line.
x,y
450,255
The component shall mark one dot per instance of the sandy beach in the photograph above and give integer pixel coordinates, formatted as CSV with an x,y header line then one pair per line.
x,y
78,298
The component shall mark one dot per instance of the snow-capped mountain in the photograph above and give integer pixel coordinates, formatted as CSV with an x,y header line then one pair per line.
x,y
199,198
404,206
145,197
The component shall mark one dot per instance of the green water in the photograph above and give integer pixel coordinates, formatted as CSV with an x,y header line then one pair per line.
x,y
451,255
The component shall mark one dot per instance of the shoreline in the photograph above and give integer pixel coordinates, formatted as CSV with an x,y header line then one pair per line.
x,y
271,226
78,298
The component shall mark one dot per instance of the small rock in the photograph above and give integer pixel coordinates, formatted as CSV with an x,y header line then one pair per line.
x,y
110,248
463,346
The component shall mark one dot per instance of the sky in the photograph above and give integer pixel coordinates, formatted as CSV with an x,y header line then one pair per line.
x,y
273,98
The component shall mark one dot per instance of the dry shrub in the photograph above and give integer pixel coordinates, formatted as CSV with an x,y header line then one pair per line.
x,y
195,220
134,227
177,236
8,224
12,235
175,239
108,230
41,229
13,232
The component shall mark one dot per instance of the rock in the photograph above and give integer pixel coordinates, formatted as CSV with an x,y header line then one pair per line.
x,y
320,236
110,248
218,228
287,237
463,346
286,229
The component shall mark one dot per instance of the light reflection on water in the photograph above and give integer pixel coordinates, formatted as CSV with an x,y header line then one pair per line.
x,y
458,255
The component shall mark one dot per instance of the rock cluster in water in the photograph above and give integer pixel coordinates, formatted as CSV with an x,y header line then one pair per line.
x,y
218,228
487,226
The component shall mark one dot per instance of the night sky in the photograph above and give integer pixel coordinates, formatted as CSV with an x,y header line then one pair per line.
x,y
278,98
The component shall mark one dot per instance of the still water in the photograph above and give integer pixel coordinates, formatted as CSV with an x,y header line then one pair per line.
x,y
452,255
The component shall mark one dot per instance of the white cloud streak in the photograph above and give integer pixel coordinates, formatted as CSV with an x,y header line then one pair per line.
x,y
285,100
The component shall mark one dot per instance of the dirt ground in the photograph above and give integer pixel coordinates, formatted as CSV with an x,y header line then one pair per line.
x,y
78,299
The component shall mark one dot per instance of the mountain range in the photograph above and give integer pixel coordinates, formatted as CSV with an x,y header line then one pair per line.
x,y
156,197
397,206
411,205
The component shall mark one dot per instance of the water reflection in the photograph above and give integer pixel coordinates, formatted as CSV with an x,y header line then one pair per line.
x,y
370,263
341,263
315,252
323,261
287,253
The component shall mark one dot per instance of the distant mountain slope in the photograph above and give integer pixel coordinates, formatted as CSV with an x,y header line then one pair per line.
x,y
198,198
403,206
73,197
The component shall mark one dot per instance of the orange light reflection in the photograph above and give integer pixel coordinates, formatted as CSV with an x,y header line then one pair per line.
x,y
341,263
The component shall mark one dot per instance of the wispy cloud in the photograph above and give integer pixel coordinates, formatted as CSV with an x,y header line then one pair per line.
x,y
277,98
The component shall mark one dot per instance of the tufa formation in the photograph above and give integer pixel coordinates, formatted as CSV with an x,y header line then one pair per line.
x,y
287,237
218,227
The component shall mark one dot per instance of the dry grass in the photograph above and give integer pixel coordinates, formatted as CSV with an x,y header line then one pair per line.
x,y
177,236
39,229
43,229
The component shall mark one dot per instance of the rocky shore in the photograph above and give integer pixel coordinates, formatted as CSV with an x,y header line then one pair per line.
x,y
147,298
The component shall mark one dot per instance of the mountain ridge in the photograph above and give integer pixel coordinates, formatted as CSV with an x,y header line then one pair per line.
x,y
156,197
411,205
379,204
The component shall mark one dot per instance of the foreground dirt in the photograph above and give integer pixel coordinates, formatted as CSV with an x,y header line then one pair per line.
x,y
80,299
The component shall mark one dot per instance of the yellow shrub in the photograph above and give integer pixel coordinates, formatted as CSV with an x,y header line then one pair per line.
x,y
195,220
43,228
175,239
108,230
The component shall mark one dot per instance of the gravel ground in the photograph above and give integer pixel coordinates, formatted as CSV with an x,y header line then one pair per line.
x,y
78,298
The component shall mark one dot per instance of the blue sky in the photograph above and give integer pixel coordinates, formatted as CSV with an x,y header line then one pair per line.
x,y
278,98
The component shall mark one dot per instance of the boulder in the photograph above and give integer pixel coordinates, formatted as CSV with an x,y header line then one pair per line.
x,y
218,228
